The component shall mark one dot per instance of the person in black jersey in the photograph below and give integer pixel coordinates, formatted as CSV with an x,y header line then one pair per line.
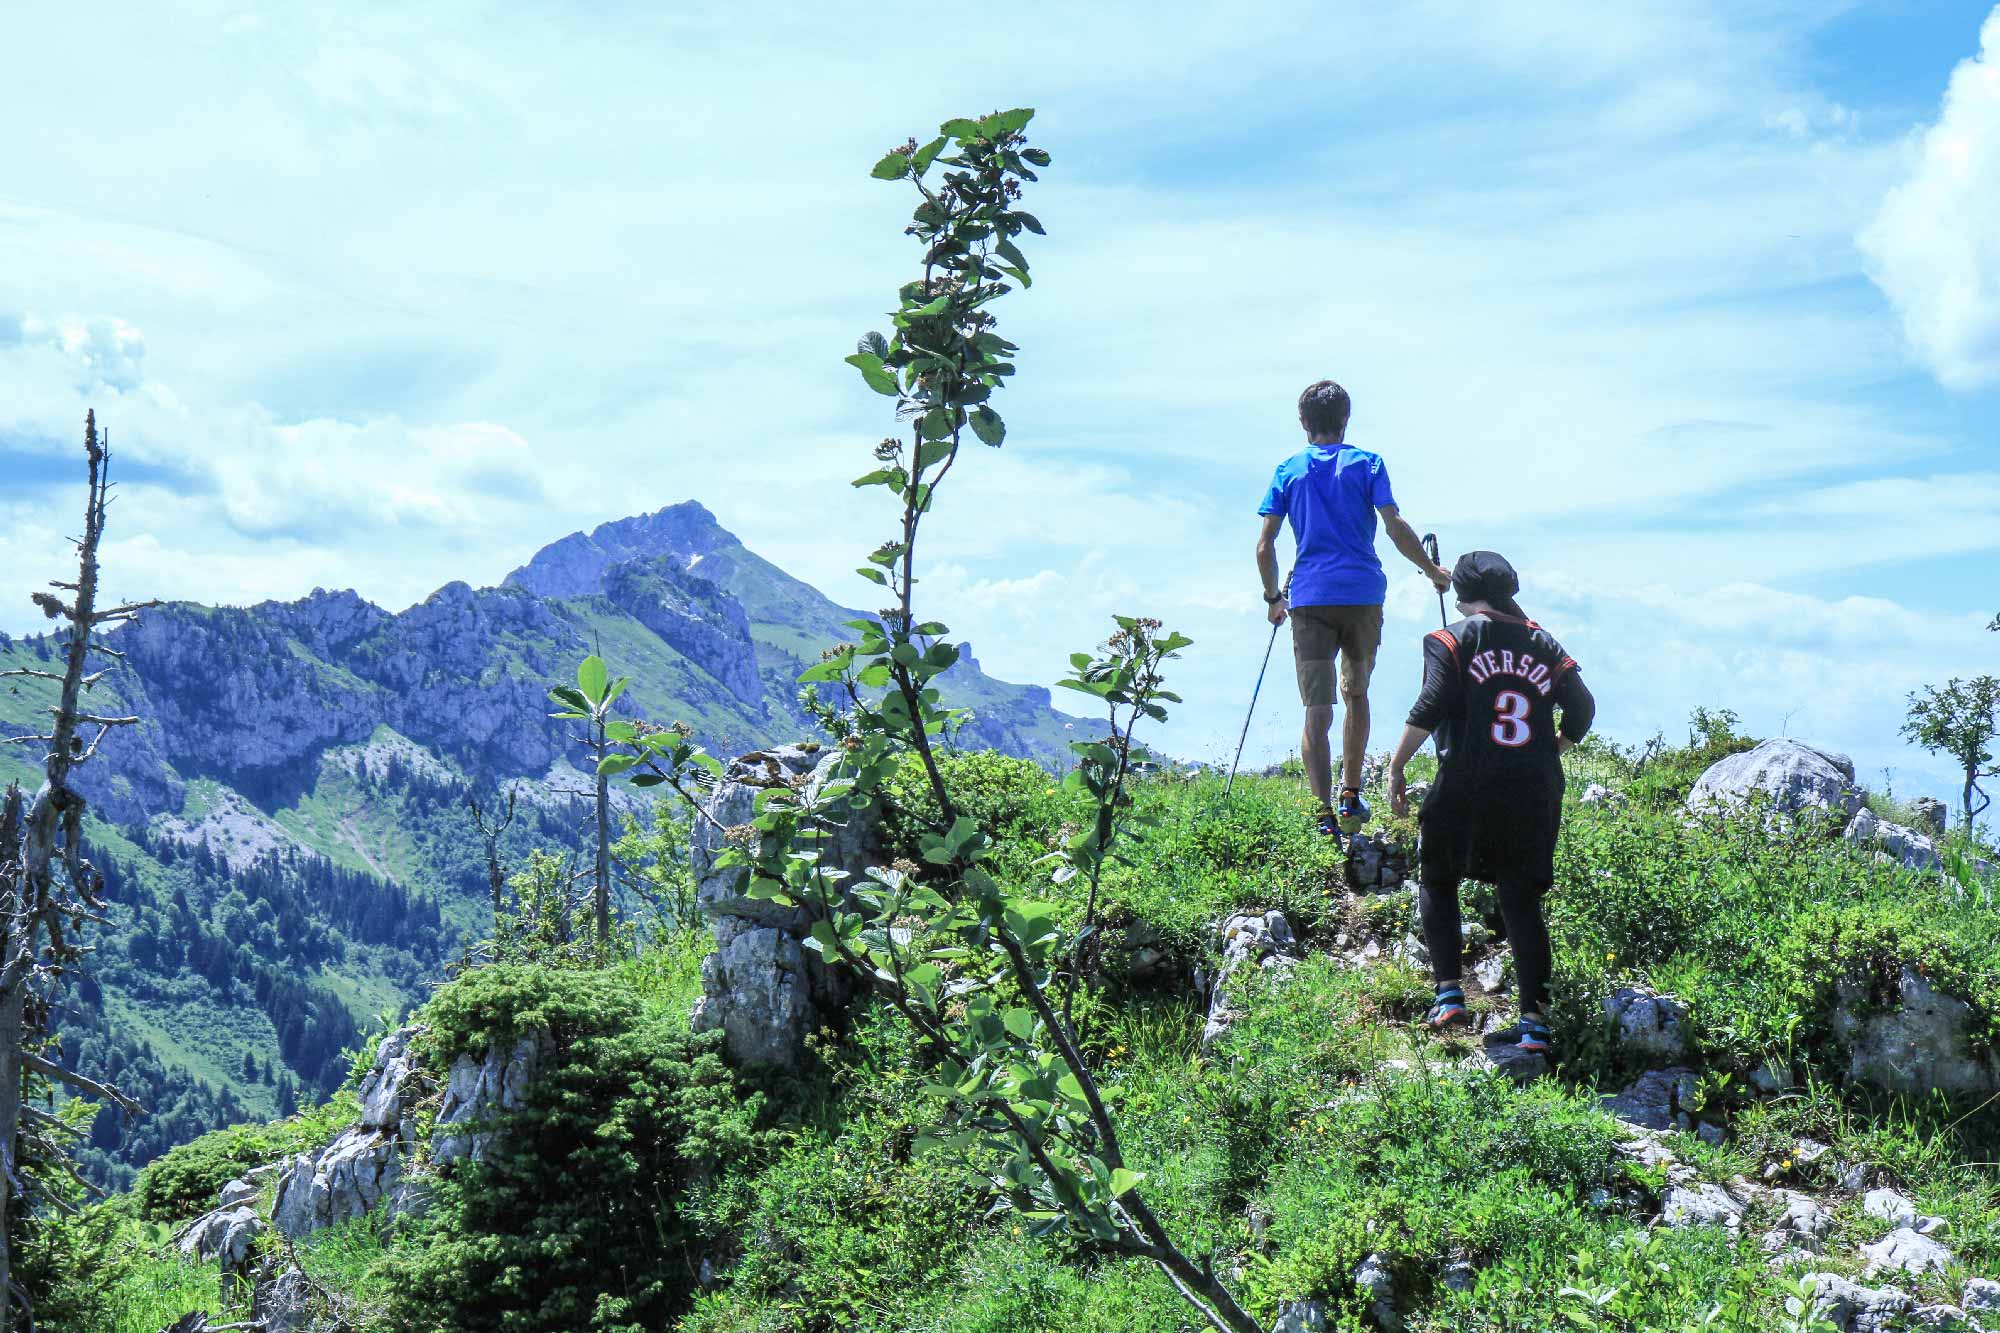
x,y
1494,685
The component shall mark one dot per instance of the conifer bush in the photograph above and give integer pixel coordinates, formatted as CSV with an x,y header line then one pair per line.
x,y
575,1222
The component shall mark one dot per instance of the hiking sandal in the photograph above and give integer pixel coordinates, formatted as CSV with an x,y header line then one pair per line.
x,y
1448,1011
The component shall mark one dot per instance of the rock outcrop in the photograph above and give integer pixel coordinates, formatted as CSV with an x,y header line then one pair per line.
x,y
1917,1041
1375,864
226,1237
1795,778
1259,940
761,987
1932,816
1853,1308
1658,1099
1892,842
479,1094
1645,1025
357,1171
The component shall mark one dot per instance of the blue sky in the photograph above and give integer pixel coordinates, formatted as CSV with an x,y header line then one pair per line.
x,y
1693,310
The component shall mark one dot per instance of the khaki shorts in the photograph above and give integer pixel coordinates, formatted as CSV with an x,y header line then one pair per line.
x,y
1322,633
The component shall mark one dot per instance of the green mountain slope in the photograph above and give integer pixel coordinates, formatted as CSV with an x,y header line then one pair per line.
x,y
287,842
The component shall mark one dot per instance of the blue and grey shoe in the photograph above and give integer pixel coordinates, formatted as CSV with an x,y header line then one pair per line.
x,y
1353,811
1329,824
1448,1010
1534,1035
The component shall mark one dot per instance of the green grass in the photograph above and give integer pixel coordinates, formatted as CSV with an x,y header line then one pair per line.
x,y
156,1288
1324,1128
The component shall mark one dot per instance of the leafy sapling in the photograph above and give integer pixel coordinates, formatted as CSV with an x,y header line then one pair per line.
x,y
1961,719
971,963
1125,676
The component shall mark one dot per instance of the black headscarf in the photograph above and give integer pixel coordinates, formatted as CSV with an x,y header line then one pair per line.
x,y
1485,576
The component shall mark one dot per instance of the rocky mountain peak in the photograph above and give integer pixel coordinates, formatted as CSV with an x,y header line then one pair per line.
x,y
576,565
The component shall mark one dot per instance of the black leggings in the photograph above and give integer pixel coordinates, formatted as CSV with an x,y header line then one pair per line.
x,y
1520,908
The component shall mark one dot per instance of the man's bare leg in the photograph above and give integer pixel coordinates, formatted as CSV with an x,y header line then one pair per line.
x,y
1316,752
1353,739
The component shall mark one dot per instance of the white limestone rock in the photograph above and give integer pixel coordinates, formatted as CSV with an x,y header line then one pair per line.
x,y
480,1094
1922,1042
1906,1251
226,1237
1259,940
1795,778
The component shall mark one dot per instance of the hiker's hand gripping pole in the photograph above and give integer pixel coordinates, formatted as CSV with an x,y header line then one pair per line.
x,y
1431,550
1230,781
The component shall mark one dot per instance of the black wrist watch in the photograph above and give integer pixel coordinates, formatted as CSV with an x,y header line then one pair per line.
x,y
1273,598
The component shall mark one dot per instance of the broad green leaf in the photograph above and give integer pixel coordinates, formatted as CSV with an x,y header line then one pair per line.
x,y
613,764
960,128
592,678
873,344
892,167
879,377
892,477
927,154
987,425
618,687
872,574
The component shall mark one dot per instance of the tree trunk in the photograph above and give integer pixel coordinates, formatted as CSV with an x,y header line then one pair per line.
x,y
11,1023
603,892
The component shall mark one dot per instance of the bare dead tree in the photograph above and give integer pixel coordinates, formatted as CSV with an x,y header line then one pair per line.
x,y
48,891
490,832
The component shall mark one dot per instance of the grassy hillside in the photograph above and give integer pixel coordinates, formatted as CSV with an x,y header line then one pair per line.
x,y
1322,1130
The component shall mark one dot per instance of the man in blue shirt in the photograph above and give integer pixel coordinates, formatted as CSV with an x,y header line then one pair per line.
x,y
1332,492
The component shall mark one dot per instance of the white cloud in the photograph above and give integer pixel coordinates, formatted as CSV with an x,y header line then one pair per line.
x,y
1589,273
1934,247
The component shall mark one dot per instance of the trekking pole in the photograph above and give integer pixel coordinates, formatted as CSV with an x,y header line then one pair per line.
x,y
1259,689
1431,550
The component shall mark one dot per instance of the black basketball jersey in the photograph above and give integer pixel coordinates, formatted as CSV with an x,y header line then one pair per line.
x,y
1492,686
1503,679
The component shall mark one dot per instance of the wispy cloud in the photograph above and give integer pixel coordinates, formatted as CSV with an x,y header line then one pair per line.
x,y
393,296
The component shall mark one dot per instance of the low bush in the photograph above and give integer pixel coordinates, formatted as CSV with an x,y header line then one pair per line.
x,y
577,1224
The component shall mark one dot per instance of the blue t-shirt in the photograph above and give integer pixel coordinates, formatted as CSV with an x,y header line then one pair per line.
x,y
1330,494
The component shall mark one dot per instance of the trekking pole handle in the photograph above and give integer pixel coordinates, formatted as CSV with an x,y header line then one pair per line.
x,y
1430,542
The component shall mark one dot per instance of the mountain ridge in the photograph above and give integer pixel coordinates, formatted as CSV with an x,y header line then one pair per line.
x,y
296,757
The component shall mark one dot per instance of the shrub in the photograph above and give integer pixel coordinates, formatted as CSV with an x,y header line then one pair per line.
x,y
184,1182
995,790
576,1223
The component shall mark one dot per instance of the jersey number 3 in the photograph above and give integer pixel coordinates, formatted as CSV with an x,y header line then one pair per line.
x,y
1511,727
